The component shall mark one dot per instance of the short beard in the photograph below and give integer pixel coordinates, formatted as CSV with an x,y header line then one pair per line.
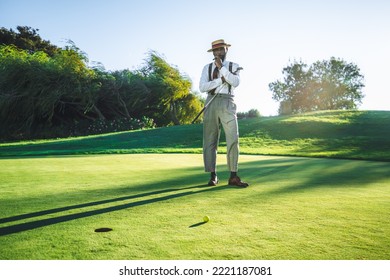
x,y
222,57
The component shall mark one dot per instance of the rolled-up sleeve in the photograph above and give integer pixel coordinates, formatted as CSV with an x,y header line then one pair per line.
x,y
205,85
232,79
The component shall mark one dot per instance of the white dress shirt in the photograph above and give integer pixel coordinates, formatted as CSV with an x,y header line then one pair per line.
x,y
222,88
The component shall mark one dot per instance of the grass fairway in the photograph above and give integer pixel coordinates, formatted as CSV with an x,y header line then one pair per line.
x,y
295,208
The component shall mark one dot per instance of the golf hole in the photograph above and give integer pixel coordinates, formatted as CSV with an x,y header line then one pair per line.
x,y
103,229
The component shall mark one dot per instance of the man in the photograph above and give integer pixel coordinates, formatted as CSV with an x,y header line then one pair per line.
x,y
220,78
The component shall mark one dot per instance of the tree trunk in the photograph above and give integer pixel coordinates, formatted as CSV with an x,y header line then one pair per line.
x,y
101,116
173,113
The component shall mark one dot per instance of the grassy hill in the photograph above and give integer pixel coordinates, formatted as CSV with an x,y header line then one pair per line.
x,y
336,134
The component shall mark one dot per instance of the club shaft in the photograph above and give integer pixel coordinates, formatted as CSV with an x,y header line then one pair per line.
x,y
204,108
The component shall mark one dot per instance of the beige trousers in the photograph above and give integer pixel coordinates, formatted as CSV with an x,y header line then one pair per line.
x,y
221,111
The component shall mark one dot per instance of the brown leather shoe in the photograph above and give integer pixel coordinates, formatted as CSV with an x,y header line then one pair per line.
x,y
213,181
236,181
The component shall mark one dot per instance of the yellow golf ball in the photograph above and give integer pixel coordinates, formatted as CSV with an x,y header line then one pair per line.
x,y
206,219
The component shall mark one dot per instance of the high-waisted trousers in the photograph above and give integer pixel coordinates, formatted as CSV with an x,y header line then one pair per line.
x,y
220,112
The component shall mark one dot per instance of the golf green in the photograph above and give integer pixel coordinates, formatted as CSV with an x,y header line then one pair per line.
x,y
151,206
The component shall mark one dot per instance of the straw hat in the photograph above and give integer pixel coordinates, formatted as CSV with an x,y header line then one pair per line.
x,y
218,44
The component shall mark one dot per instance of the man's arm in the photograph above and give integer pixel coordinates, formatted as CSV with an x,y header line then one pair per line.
x,y
230,78
205,85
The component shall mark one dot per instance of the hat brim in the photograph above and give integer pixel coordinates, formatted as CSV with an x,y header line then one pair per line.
x,y
224,45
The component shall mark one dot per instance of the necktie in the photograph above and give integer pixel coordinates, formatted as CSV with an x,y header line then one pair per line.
x,y
215,73
215,76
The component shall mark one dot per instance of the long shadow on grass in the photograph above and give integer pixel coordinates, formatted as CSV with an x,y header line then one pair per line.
x,y
282,175
83,205
50,221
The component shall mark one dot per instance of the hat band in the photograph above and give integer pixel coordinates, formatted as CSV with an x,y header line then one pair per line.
x,y
218,45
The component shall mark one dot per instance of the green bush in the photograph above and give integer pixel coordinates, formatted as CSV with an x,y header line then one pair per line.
x,y
120,124
252,113
47,92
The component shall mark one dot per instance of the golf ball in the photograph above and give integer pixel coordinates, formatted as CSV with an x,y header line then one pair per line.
x,y
206,219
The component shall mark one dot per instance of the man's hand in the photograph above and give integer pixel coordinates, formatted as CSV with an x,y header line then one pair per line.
x,y
218,62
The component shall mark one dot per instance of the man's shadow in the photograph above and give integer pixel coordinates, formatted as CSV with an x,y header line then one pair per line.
x,y
177,192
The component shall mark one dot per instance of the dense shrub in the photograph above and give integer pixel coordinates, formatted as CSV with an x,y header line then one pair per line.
x,y
122,124
252,113
43,96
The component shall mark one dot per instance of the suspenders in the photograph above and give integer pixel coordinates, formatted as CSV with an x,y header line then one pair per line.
x,y
230,70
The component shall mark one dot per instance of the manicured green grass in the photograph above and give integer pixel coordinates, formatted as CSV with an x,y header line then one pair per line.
x,y
149,187
295,208
335,134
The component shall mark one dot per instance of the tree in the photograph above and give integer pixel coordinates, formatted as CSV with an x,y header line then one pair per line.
x,y
55,93
38,91
168,90
324,85
27,38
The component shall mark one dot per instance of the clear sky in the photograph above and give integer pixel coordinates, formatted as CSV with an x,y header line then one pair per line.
x,y
265,37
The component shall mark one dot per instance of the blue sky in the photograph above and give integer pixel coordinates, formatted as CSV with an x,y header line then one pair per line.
x,y
265,37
